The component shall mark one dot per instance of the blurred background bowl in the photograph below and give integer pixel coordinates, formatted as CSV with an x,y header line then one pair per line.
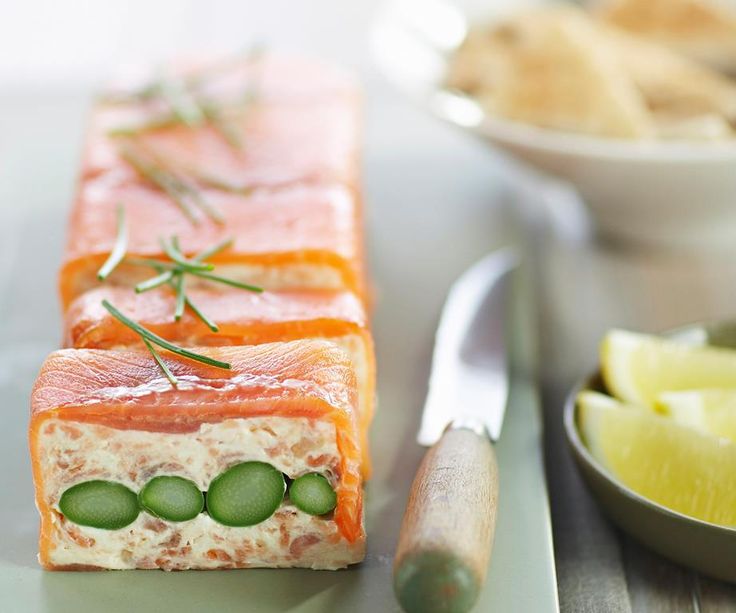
x,y
663,194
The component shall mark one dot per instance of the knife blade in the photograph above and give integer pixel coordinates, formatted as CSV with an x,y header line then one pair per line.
x,y
447,531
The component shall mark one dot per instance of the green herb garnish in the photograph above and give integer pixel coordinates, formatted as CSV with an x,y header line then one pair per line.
x,y
181,102
154,282
173,274
182,192
118,251
187,105
161,364
181,297
171,248
155,339
157,123
162,179
226,281
196,310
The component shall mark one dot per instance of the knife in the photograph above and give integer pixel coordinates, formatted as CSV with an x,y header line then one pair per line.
x,y
447,531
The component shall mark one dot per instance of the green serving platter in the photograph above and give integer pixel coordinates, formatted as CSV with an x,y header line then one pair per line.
x,y
706,547
407,175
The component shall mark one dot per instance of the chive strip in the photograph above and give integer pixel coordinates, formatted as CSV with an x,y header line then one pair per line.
x,y
154,282
157,123
205,206
167,269
207,321
183,106
121,244
226,281
162,342
161,364
162,179
179,189
159,265
171,249
222,124
223,185
214,250
180,297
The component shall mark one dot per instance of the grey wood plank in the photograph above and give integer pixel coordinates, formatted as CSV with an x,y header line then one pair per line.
x,y
590,571
716,596
655,584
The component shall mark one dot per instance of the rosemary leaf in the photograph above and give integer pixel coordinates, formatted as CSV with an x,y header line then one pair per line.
x,y
226,281
162,342
161,364
118,251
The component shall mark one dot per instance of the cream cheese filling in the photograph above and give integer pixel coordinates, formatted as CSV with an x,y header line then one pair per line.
x,y
72,452
273,277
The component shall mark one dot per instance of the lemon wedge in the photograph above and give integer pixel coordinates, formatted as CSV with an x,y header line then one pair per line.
x,y
671,464
711,411
637,368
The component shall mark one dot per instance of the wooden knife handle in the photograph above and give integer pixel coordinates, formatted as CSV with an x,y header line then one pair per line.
x,y
447,531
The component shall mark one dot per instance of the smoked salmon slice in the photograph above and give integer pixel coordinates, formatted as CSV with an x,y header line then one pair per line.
x,y
299,237
270,158
110,416
243,318
297,120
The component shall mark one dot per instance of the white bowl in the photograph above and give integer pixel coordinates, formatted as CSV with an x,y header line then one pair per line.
x,y
670,194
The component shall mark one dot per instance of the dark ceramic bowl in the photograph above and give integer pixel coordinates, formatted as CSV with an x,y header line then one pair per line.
x,y
700,545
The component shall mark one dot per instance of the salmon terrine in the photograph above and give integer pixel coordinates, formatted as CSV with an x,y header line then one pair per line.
x,y
272,164
243,318
258,465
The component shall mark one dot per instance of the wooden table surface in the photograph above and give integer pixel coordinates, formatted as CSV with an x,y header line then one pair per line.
x,y
587,287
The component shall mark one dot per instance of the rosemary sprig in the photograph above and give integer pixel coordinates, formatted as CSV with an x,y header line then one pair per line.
x,y
162,342
118,251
